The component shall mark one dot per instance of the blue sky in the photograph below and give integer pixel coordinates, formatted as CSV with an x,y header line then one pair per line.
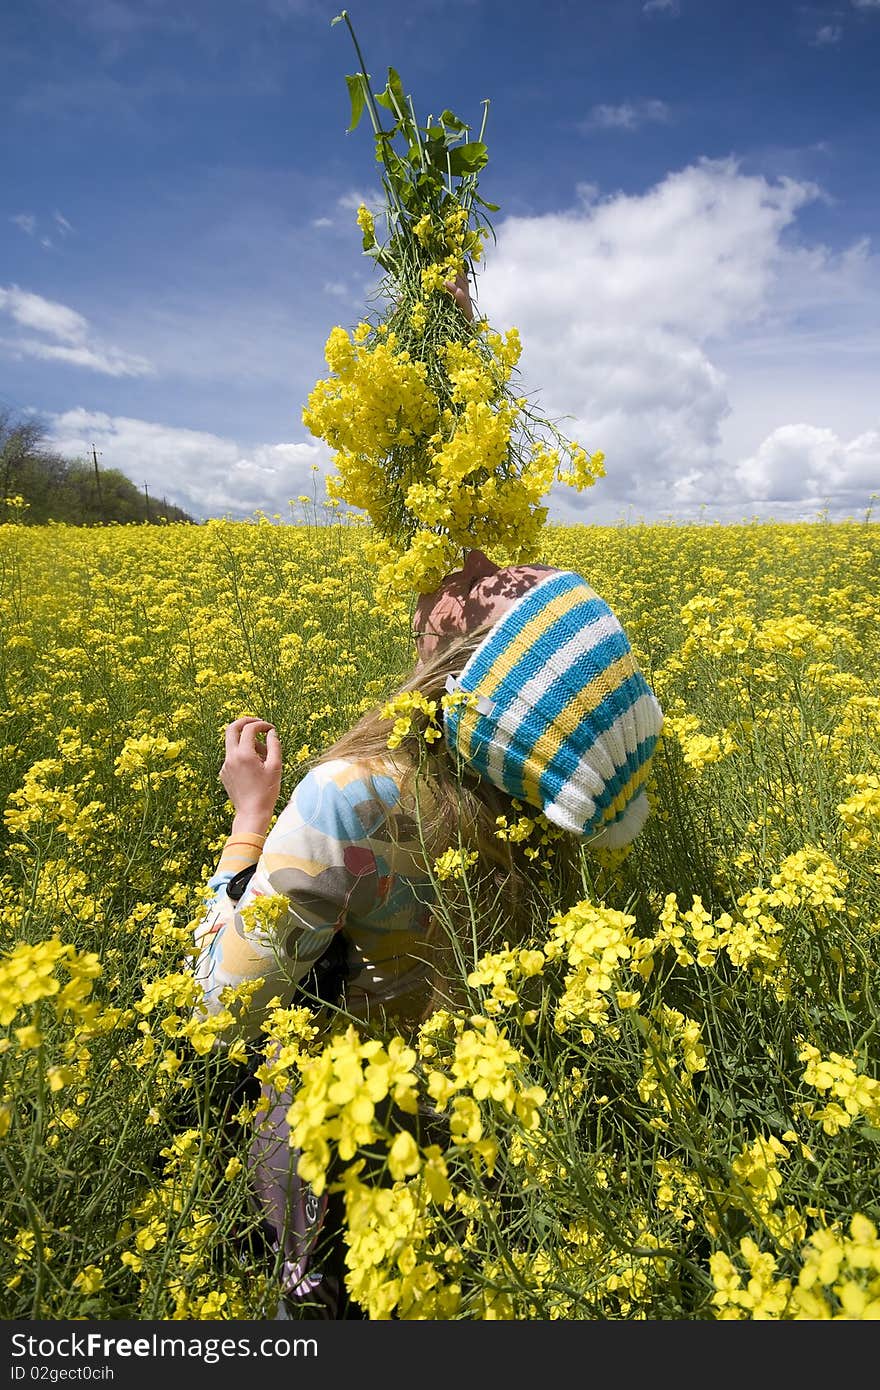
x,y
689,196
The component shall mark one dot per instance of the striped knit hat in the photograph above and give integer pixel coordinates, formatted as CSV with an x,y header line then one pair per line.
x,y
564,719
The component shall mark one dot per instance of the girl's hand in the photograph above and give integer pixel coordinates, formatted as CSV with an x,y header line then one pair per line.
x,y
251,773
460,292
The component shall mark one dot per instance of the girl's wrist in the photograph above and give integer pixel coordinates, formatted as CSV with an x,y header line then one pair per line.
x,y
249,824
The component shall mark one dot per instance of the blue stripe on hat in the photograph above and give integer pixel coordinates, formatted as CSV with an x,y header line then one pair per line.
x,y
589,667
643,755
534,657
531,655
592,727
509,627
502,636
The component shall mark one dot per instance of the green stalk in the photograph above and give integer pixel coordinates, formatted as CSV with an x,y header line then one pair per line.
x,y
415,126
371,104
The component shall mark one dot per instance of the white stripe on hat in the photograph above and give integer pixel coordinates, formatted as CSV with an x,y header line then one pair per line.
x,y
523,703
625,830
573,807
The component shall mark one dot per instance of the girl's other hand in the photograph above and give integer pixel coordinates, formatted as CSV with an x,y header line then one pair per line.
x,y
251,773
460,291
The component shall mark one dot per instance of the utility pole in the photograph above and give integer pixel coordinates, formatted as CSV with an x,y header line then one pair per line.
x,y
98,484
147,499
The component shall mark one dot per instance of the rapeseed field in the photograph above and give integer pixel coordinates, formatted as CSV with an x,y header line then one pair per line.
x,y
662,1103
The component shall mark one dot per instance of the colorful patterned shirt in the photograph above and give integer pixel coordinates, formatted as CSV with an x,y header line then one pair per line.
x,y
346,855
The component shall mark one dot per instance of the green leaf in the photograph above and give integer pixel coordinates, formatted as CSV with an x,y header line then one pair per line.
x,y
452,122
435,151
407,194
394,99
395,87
357,97
429,181
384,147
467,159
490,207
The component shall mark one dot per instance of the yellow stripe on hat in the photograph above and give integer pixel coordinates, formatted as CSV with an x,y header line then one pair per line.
x,y
625,795
582,703
507,659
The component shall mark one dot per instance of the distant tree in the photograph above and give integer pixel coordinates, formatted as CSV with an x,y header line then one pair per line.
x,y
59,489
27,468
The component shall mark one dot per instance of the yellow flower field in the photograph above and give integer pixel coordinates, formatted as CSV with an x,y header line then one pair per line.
x,y
663,1103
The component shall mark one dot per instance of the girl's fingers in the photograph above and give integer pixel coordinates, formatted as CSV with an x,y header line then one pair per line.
x,y
272,760
238,728
249,733
234,729
461,295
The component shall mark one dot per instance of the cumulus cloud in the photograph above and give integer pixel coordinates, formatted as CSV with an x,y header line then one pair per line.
x,y
664,285
204,473
806,466
628,116
74,341
725,366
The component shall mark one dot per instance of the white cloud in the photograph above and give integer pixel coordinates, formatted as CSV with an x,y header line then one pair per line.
x,y
27,222
348,203
75,343
827,34
353,199
866,4
806,465
638,313
627,116
204,473
43,315
109,362
669,7
336,288
723,364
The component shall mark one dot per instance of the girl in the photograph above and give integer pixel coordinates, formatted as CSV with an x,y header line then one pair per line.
x,y
550,709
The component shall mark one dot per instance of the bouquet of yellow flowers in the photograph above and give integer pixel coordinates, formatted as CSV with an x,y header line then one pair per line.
x,y
431,435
